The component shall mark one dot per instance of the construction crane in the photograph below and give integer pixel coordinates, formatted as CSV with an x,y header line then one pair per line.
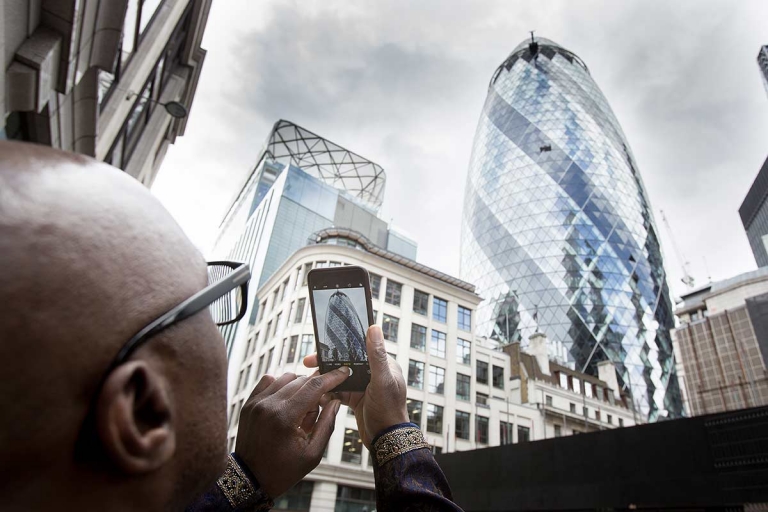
x,y
687,278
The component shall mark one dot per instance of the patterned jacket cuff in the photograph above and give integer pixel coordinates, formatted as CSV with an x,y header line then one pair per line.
x,y
396,441
241,489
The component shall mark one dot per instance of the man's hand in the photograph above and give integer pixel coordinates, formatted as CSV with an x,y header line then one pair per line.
x,y
281,437
383,402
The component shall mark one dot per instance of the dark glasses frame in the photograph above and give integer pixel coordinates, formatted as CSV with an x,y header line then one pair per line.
x,y
239,276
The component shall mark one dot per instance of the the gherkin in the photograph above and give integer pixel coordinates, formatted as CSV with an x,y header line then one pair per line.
x,y
344,333
557,230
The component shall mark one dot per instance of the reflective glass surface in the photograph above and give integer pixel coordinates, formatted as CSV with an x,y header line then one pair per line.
x,y
557,231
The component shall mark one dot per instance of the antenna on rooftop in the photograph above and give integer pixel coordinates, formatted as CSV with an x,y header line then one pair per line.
x,y
533,47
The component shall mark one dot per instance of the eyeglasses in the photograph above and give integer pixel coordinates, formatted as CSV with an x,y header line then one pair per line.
x,y
226,297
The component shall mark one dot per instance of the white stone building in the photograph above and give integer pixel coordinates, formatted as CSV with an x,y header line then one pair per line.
x,y
461,390
111,79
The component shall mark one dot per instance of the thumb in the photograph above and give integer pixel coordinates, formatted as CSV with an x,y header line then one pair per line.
x,y
378,359
323,429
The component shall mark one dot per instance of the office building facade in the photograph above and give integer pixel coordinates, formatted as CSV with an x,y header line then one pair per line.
x,y
111,79
754,216
300,184
557,230
722,343
462,391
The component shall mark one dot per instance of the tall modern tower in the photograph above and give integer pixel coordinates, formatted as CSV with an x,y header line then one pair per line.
x,y
557,230
344,334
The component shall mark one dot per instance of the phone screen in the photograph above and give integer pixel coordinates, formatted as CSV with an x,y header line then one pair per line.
x,y
340,308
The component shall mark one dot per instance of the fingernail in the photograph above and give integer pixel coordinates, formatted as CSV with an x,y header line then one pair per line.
x,y
376,334
344,370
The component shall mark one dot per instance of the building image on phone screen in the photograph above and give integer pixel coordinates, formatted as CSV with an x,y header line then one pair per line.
x,y
340,326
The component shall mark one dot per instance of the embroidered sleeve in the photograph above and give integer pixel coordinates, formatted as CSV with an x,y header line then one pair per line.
x,y
239,489
407,476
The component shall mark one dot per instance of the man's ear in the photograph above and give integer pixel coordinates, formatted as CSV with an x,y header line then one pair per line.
x,y
134,420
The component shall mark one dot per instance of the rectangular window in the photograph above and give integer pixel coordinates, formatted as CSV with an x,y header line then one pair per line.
x,y
375,285
390,326
563,380
262,308
307,268
436,450
463,351
610,419
576,385
414,410
307,342
549,400
240,381
394,290
588,389
297,497
334,264
481,372
285,290
498,377
300,311
416,374
481,429
278,323
505,432
585,411
297,282
375,315
292,311
436,379
255,342
597,415
621,422
523,434
418,337
465,318
434,418
573,408
482,399
248,346
292,349
269,358
275,295
558,431
462,386
439,309
283,346
321,264
462,425
269,329
437,344
352,450
260,367
354,499
420,302
247,376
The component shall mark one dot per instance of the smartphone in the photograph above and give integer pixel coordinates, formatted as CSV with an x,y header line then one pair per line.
x,y
340,298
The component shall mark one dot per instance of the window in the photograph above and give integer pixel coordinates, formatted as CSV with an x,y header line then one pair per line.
x,y
292,349
307,340
240,381
482,399
549,400
418,337
375,285
436,450
274,299
505,432
439,309
563,380
394,290
307,268
465,319
255,342
573,408
576,385
285,289
262,308
416,374
588,389
321,264
248,346
297,282
352,450
414,410
389,327
434,418
621,422
247,376
463,351
392,355
375,315
558,431
462,425
610,419
481,372
586,412
597,415
436,379
437,344
278,323
462,386
269,329
297,497
353,499
523,434
300,311
291,311
481,429
260,367
420,302
282,351
498,377
269,359
334,264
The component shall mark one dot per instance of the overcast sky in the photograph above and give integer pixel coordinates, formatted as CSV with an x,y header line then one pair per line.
x,y
402,83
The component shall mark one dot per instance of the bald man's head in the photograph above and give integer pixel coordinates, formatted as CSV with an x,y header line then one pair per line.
x,y
88,258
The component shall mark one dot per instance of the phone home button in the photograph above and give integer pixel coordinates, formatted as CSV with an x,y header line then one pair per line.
x,y
350,371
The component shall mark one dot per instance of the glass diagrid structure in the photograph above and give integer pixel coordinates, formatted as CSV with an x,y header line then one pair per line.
x,y
344,334
557,231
